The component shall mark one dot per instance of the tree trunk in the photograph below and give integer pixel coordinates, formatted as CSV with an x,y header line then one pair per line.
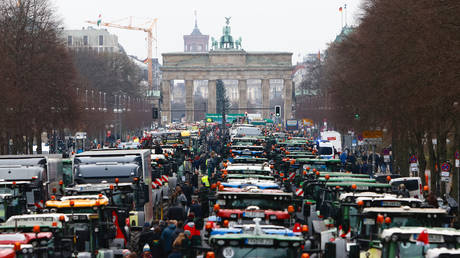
x,y
38,140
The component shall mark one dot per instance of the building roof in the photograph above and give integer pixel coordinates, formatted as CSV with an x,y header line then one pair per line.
x,y
196,31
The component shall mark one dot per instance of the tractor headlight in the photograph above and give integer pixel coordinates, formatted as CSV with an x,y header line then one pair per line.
x,y
394,238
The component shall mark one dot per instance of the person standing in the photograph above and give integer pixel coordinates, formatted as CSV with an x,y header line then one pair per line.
x,y
167,238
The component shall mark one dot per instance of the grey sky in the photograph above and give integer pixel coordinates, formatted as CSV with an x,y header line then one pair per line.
x,y
298,26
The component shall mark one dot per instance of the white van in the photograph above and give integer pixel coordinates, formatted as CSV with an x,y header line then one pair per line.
x,y
326,150
335,138
413,184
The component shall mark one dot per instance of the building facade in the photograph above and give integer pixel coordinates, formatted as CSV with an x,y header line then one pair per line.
x,y
89,38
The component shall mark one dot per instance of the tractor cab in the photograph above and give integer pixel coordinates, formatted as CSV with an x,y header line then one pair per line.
x,y
90,222
373,220
44,232
255,241
418,242
244,204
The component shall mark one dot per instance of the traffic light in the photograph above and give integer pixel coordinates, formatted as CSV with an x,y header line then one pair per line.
x,y
154,112
277,110
356,116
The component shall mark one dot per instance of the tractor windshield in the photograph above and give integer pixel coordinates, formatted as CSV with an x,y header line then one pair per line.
x,y
250,252
261,201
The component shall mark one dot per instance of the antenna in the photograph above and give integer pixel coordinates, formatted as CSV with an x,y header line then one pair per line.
x,y
196,22
345,7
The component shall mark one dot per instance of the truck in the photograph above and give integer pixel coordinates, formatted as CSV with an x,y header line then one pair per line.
x,y
117,167
39,176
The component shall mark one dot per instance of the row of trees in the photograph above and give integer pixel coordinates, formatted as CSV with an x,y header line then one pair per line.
x,y
45,86
36,73
111,93
399,71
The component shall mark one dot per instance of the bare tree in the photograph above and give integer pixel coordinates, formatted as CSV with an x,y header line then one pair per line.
x,y
36,72
398,70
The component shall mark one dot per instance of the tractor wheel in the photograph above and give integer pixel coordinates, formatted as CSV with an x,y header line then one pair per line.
x,y
134,238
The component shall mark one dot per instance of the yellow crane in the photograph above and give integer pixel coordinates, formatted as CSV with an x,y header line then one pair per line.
x,y
149,26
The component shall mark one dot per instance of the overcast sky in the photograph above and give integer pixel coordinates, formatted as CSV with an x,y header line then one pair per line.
x,y
297,26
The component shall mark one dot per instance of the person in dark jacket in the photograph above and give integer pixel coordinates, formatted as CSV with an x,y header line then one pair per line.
x,y
188,191
146,236
403,192
167,238
157,251
179,229
195,180
196,209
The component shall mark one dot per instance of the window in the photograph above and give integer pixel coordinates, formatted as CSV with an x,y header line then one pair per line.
x,y
85,40
69,40
101,40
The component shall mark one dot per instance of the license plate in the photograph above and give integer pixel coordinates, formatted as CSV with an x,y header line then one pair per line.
x,y
260,241
251,214
391,204
361,187
369,221
435,238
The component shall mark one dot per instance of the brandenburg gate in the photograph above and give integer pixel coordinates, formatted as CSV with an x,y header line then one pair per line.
x,y
226,61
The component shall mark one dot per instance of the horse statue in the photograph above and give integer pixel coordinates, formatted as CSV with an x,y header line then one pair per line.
x,y
238,43
214,43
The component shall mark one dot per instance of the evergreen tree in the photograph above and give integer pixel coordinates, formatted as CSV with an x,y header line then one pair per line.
x,y
223,103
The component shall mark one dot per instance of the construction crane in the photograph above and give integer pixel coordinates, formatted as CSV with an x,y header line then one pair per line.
x,y
150,27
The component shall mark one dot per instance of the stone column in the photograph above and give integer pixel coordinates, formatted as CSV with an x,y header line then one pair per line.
x,y
166,104
266,98
242,96
189,107
287,99
211,96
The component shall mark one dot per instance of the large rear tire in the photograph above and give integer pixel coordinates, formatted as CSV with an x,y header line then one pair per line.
x,y
134,238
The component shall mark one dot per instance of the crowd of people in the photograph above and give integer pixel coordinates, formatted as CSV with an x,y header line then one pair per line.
x,y
173,236
360,161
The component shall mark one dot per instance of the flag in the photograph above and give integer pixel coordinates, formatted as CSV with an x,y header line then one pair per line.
x,y
340,9
99,20
422,238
